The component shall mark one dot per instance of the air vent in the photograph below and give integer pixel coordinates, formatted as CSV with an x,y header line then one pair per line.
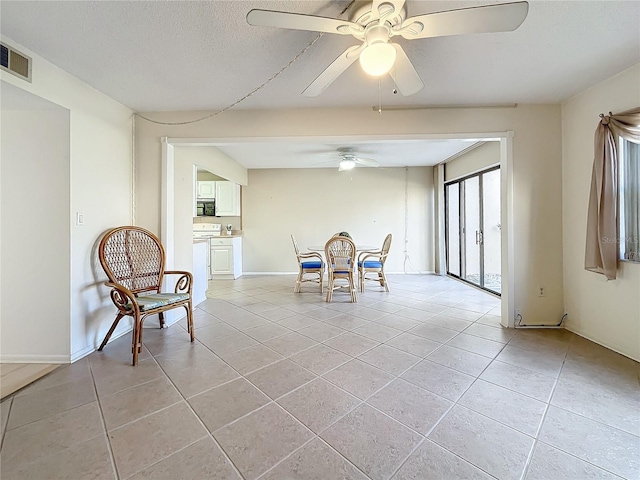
x,y
15,62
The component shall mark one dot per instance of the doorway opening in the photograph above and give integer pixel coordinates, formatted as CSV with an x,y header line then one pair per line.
x,y
473,229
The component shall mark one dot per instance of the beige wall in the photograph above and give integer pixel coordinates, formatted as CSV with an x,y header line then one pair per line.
x,y
536,168
213,160
478,159
605,312
100,186
313,204
35,251
204,176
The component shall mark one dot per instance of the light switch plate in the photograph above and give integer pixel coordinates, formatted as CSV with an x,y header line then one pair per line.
x,y
80,219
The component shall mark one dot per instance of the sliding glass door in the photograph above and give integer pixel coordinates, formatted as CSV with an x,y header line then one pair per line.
x,y
473,229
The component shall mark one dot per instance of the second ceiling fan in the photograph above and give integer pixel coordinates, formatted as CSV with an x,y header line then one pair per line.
x,y
375,22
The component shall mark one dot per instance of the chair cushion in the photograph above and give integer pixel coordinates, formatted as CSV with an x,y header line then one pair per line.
x,y
311,264
370,264
150,301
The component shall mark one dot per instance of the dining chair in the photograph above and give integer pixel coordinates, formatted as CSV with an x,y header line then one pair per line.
x,y
374,262
308,267
340,253
133,259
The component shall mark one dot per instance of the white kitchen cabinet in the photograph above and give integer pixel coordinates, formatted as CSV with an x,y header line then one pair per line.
x,y
200,270
227,199
207,189
226,258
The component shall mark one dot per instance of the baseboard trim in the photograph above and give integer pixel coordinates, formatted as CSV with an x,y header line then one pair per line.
x,y
427,272
269,273
198,301
53,359
577,332
88,350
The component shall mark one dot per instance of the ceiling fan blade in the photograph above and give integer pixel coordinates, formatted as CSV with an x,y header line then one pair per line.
x,y
298,21
403,73
491,18
367,162
388,7
333,71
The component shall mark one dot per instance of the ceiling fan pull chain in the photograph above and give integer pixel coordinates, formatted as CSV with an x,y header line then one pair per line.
x,y
393,77
380,95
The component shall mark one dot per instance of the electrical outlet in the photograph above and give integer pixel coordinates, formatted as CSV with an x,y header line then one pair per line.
x,y
541,291
518,313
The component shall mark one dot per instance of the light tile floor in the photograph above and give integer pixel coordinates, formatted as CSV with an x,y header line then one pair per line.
x,y
419,383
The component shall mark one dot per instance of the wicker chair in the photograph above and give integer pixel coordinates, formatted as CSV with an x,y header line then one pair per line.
x,y
374,262
133,259
309,267
340,253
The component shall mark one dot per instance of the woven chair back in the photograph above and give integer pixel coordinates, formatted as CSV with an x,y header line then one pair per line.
x,y
295,247
340,253
132,257
386,245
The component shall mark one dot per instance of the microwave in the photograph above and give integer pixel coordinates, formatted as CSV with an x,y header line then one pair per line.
x,y
206,208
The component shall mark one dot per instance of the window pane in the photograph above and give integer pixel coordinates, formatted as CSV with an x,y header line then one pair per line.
x,y
629,169
453,228
471,232
491,230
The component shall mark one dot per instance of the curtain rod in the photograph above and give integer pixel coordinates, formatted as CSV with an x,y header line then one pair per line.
x,y
435,107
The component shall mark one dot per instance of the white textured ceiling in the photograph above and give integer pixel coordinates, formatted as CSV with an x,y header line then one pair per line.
x,y
202,55
388,153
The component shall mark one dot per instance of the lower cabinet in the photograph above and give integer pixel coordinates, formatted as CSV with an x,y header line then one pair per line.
x,y
226,258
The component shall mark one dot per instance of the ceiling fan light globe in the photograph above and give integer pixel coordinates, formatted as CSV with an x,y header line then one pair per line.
x,y
347,164
378,58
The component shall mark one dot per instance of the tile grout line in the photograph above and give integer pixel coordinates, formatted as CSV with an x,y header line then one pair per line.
x,y
209,434
164,458
314,436
548,405
5,429
527,463
454,404
495,359
114,466
361,403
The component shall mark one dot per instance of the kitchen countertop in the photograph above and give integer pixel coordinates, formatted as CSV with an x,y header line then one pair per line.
x,y
235,234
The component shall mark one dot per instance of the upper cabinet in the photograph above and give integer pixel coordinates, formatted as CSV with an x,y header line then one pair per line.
x,y
207,189
227,195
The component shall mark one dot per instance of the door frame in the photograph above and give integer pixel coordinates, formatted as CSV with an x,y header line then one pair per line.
x,y
461,221
506,198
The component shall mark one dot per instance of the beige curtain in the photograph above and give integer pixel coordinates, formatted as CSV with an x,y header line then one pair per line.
x,y
601,255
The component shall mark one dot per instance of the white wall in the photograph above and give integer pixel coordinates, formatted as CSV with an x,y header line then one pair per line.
x,y
314,204
605,312
185,157
212,159
537,170
100,185
35,252
476,160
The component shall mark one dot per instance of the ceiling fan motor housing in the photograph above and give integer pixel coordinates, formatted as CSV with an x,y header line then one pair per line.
x,y
360,12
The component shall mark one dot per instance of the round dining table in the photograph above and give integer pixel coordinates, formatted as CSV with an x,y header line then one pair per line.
x,y
359,248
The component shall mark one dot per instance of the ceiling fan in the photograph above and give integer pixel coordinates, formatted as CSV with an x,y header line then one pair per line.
x,y
375,22
349,159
